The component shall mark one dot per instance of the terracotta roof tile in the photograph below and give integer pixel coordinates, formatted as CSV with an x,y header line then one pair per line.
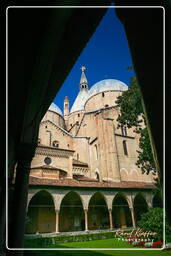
x,y
76,183
76,162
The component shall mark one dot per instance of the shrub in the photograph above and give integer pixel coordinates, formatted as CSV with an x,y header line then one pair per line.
x,y
148,245
37,242
153,221
157,244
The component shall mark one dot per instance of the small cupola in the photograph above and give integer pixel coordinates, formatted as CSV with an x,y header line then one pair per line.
x,y
83,80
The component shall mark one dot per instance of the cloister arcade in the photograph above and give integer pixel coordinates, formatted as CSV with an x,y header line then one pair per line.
x,y
53,211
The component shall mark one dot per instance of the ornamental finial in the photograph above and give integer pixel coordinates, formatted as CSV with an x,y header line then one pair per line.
x,y
83,68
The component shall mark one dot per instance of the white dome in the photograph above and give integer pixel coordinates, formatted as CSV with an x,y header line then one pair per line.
x,y
80,101
53,107
107,85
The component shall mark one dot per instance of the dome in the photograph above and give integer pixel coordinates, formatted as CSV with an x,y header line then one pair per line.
x,y
107,85
53,107
80,101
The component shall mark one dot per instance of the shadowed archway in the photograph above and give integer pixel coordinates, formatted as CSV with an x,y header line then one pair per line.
x,y
121,212
71,216
98,214
140,206
41,214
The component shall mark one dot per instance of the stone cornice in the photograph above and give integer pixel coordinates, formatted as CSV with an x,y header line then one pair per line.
x,y
48,151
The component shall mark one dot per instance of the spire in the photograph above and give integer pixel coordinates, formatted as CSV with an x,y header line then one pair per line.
x,y
83,80
66,106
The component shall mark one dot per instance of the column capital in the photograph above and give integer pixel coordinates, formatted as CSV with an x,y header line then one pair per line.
x,y
109,209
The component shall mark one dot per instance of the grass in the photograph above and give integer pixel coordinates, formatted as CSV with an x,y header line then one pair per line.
x,y
98,253
107,243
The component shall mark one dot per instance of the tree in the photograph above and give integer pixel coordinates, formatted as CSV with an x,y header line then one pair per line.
x,y
132,115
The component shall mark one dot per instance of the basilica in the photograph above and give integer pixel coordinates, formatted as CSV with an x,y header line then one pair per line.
x,y
83,176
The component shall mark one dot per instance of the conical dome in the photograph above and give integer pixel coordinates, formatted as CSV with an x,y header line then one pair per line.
x,y
53,107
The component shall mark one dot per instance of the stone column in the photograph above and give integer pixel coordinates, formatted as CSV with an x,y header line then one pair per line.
x,y
25,153
133,217
57,221
110,219
86,219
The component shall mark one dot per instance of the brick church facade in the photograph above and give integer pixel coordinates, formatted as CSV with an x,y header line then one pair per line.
x,y
83,175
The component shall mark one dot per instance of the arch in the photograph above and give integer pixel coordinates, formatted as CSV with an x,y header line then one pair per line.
x,y
98,215
157,201
97,176
55,143
124,170
124,130
140,206
30,196
134,170
121,212
41,213
71,213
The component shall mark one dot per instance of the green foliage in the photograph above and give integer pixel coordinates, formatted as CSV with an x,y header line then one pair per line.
x,y
132,115
153,221
130,106
145,157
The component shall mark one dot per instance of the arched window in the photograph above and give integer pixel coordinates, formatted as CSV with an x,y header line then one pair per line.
x,y
123,130
78,115
125,148
77,156
55,143
103,94
97,176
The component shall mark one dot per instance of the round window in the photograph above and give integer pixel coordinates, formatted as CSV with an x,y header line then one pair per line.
x,y
47,160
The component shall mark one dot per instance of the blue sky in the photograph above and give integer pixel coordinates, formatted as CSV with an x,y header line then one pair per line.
x,y
105,56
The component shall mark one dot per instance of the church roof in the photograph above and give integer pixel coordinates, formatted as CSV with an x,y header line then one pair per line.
x,y
76,183
107,85
53,107
80,101
101,86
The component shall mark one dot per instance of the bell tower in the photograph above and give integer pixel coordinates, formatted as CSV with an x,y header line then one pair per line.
x,y
66,108
83,80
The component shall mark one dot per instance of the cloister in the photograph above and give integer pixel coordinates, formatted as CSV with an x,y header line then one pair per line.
x,y
54,211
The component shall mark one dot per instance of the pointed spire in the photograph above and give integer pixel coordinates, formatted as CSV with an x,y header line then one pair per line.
x,y
66,106
83,80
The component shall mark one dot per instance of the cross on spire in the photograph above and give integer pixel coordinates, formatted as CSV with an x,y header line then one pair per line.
x,y
83,68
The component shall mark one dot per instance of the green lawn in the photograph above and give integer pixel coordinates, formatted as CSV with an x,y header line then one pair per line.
x,y
97,253
107,243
